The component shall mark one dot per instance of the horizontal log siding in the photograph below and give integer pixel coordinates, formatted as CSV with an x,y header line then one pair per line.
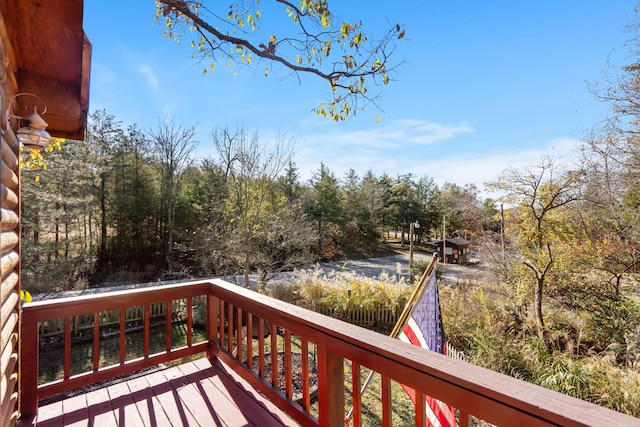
x,y
9,264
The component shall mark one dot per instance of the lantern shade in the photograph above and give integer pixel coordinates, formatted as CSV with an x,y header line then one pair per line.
x,y
34,135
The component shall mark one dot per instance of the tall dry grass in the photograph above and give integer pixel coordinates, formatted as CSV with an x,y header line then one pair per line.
x,y
343,289
494,328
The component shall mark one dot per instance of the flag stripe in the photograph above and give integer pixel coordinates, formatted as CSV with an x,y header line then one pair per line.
x,y
441,412
414,334
423,328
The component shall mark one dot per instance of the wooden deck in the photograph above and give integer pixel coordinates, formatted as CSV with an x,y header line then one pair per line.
x,y
197,393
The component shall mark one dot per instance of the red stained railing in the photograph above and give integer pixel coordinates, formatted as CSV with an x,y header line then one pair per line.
x,y
473,391
68,309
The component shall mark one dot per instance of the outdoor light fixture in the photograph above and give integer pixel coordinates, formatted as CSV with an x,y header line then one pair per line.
x,y
32,135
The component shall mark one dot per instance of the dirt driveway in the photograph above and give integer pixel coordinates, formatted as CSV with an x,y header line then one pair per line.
x,y
396,266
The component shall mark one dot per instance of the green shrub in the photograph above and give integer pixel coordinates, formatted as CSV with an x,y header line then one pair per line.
x,y
611,320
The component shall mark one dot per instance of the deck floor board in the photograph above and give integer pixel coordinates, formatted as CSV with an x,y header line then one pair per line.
x,y
196,393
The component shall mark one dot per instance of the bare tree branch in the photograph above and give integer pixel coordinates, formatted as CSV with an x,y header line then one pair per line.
x,y
354,61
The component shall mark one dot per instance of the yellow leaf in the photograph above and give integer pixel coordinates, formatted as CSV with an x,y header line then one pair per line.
x,y
25,296
378,118
272,39
266,72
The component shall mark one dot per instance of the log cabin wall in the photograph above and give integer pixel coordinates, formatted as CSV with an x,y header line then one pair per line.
x,y
43,51
9,242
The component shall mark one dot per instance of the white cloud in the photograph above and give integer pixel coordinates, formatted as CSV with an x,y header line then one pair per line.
x,y
441,151
147,72
396,134
383,148
481,167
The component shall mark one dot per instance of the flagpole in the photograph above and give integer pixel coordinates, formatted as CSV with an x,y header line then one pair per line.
x,y
401,320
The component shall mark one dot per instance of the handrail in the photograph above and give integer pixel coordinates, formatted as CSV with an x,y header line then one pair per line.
x,y
474,391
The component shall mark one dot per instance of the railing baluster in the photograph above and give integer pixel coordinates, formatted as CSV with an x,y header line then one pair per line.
x,y
386,400
147,327
261,348
123,336
274,355
306,386
230,328
67,347
238,322
189,321
288,375
249,340
167,331
222,315
213,317
421,419
356,403
96,341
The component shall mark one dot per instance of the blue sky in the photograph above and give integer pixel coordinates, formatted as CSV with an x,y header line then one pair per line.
x,y
484,85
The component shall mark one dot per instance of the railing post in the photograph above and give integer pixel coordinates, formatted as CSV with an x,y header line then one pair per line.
x,y
330,388
29,366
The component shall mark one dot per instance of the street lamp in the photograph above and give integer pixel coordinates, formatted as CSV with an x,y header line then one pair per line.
x,y
412,226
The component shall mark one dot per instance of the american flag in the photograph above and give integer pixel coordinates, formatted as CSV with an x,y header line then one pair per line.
x,y
424,329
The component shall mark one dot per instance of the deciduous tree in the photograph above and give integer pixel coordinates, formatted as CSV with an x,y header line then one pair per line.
x,y
534,195
251,170
349,59
172,145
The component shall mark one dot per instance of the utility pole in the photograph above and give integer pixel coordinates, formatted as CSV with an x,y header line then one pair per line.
x,y
412,227
444,239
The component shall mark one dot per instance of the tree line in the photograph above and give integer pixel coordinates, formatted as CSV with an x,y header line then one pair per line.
x,y
130,204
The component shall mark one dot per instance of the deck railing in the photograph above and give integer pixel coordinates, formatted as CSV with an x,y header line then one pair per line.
x,y
324,345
